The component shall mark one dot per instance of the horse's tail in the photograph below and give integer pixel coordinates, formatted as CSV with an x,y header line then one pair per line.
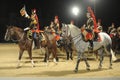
x,y
109,46
106,42
113,56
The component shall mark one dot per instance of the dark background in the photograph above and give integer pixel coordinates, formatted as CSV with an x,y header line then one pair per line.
x,y
106,10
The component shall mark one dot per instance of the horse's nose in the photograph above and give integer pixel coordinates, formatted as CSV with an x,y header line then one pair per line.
x,y
6,38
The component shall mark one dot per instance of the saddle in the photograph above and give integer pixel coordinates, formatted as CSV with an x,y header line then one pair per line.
x,y
90,35
29,34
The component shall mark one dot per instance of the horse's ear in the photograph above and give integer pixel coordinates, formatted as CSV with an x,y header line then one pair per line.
x,y
8,26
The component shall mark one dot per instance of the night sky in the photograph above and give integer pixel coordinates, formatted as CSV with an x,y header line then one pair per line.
x,y
106,10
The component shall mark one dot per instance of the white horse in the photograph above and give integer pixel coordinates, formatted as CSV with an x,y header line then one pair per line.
x,y
82,46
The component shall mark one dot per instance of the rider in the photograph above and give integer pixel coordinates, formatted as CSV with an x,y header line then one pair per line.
x,y
72,22
112,30
100,28
92,27
56,24
89,29
56,28
34,25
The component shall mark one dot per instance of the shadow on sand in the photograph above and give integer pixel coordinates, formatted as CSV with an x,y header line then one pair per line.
x,y
63,73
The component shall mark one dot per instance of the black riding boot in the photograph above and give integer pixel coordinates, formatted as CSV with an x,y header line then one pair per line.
x,y
96,36
91,44
58,43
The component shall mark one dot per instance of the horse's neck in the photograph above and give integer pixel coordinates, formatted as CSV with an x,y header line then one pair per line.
x,y
75,31
20,35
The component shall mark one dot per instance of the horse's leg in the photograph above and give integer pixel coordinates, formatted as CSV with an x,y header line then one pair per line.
x,y
78,61
111,54
101,52
67,53
20,56
54,56
71,53
85,59
96,54
46,59
30,56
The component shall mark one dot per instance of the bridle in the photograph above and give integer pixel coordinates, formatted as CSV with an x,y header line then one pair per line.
x,y
17,40
21,37
73,38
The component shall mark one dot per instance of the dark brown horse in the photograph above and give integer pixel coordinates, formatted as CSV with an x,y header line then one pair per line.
x,y
48,41
67,44
17,34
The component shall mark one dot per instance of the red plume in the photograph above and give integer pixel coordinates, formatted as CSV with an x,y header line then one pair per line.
x,y
93,16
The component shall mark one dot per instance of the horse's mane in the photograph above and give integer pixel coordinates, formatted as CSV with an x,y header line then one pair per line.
x,y
74,29
17,28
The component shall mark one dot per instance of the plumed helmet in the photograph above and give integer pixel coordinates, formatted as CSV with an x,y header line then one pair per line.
x,y
99,20
33,11
72,22
56,17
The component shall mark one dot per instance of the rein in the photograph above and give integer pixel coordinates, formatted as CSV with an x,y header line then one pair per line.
x,y
75,37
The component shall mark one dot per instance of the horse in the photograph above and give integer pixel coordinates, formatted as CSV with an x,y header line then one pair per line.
x,y
48,41
115,41
82,46
15,33
67,44
64,43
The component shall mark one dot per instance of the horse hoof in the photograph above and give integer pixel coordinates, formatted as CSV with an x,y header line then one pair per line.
x,y
75,70
110,67
44,60
17,67
67,59
33,66
71,58
57,59
88,69
99,68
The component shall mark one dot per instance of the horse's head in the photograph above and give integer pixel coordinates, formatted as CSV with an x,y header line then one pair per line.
x,y
65,30
11,32
8,33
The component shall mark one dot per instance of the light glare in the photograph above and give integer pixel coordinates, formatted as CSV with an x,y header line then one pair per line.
x,y
75,10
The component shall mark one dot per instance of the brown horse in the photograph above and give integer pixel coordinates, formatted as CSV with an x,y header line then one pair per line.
x,y
17,34
48,41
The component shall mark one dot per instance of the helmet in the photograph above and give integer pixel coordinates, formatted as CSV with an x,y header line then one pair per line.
x,y
33,11
72,22
56,17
